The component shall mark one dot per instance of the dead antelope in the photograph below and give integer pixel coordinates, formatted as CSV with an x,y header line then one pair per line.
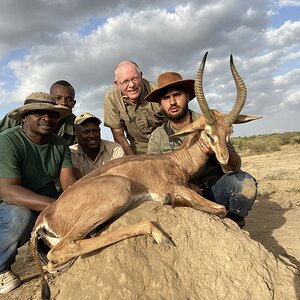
x,y
114,187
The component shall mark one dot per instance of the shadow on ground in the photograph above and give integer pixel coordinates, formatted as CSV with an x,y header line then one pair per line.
x,y
265,217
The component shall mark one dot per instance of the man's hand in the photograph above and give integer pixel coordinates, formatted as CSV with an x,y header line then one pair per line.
x,y
205,148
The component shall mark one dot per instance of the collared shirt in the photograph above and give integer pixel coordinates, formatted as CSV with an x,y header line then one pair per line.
x,y
159,143
108,151
138,119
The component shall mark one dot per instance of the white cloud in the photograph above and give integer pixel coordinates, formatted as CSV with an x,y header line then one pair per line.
x,y
286,3
288,35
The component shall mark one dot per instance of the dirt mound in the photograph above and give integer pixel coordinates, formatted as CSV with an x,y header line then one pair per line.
x,y
210,259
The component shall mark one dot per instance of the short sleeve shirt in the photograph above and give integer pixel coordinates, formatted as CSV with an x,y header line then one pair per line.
x,y
108,151
159,143
38,166
138,119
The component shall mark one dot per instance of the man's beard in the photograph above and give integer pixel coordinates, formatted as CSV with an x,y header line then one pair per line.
x,y
178,116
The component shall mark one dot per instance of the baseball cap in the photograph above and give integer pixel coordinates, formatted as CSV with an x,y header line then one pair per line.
x,y
85,116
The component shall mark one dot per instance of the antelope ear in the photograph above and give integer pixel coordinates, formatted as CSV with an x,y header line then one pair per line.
x,y
245,118
197,125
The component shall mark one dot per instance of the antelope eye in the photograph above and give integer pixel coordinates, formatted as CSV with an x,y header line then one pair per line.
x,y
212,141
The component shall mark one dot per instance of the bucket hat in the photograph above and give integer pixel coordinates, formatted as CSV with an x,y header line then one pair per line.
x,y
39,101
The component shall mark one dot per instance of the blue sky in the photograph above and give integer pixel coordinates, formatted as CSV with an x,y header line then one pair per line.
x,y
82,41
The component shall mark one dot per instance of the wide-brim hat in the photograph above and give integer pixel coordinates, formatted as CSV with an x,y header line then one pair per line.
x,y
84,117
169,80
39,101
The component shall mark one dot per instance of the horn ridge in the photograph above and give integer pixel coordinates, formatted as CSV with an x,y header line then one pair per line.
x,y
241,94
207,113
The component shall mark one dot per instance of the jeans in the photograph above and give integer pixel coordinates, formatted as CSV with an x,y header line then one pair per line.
x,y
236,191
16,224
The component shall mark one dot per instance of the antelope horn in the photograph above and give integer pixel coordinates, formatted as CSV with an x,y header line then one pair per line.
x,y
240,97
207,113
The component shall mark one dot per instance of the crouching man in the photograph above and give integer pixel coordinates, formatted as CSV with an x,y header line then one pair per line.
x,y
32,159
226,184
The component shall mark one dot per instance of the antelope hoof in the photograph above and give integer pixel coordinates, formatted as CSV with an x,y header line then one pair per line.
x,y
222,213
160,238
54,267
166,241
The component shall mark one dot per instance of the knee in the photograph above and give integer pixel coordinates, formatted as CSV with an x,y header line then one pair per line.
x,y
249,187
246,185
21,221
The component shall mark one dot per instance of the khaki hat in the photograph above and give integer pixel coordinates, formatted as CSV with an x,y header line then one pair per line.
x,y
85,116
39,101
169,80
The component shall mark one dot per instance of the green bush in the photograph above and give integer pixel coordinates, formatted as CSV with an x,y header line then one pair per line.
x,y
264,143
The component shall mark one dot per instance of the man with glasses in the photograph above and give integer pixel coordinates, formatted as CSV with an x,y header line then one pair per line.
x,y
126,111
64,94
32,158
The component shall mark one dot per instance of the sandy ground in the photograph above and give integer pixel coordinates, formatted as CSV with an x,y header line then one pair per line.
x,y
273,221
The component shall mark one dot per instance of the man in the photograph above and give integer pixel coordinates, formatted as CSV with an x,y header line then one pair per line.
x,y
32,158
91,151
64,94
221,184
125,109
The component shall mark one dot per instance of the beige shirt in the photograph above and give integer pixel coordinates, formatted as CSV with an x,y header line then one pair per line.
x,y
138,119
108,151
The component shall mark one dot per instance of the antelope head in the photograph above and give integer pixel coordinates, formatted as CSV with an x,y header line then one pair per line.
x,y
216,127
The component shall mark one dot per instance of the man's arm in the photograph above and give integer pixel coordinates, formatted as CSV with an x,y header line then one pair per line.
x,y
112,118
12,192
119,137
67,177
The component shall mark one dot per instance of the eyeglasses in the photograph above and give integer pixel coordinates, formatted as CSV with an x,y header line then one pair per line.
x,y
126,82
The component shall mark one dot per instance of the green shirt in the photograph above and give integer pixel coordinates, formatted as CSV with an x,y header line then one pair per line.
x,y
138,120
66,130
38,166
159,143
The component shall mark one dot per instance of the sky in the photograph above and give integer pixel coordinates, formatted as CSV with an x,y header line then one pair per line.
x,y
81,41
